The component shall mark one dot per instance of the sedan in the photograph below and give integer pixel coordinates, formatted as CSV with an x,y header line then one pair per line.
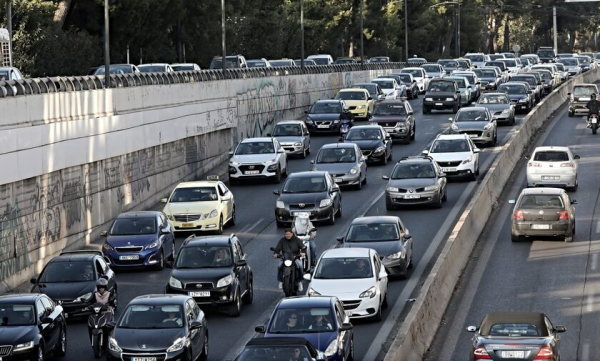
x,y
390,87
434,70
488,78
420,75
572,65
554,167
374,142
293,136
519,94
325,116
456,154
537,87
478,123
344,161
515,336
499,106
412,89
258,158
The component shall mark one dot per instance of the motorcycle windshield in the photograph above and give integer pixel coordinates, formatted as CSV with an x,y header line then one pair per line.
x,y
301,226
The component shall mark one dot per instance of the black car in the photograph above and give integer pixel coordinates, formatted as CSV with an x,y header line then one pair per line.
x,y
313,192
488,78
547,54
533,84
325,116
499,64
519,95
279,348
516,336
159,327
33,327
214,270
374,142
70,280
441,94
397,119
412,89
449,65
388,236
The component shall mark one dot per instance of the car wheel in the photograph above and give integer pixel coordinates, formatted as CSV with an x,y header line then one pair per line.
x,y
277,178
61,350
232,220
377,317
438,204
426,110
385,302
571,114
331,219
204,354
339,212
303,156
351,356
161,263
235,308
416,95
391,155
455,109
360,183
249,296
308,150
404,274
513,120
220,229
569,239
514,237
410,260
384,160
40,353
413,133
280,224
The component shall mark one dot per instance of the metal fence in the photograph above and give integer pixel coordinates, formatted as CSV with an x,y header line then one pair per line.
x,y
81,83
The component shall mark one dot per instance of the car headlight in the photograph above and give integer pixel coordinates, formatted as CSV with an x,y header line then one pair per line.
x,y
370,293
492,83
84,297
429,99
325,203
488,126
332,349
107,247
234,164
212,214
178,344
468,160
113,345
379,150
449,99
308,120
170,217
272,168
175,283
279,204
312,292
392,189
23,346
432,188
225,281
336,121
361,107
297,144
152,245
524,100
454,127
506,111
396,255
353,171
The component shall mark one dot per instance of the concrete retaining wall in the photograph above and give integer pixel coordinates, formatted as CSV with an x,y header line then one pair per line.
x,y
421,324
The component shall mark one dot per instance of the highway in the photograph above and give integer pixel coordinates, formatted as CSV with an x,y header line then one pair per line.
x,y
550,276
256,228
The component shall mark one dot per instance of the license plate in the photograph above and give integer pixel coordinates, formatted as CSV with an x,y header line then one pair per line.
x,y
540,226
323,126
129,258
550,178
251,172
594,120
391,130
187,225
473,135
513,354
339,180
439,104
412,196
299,213
199,294
446,170
584,99
143,359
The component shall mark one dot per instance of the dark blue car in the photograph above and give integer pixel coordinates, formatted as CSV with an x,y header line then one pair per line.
x,y
319,319
326,116
139,239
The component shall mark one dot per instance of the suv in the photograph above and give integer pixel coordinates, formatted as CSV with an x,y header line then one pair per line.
x,y
442,94
456,154
321,59
397,118
258,158
580,96
293,136
234,61
547,54
214,270
415,180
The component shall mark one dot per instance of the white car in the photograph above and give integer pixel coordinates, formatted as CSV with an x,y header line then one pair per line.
x,y
389,86
420,76
511,65
552,167
456,154
155,68
356,277
478,59
256,158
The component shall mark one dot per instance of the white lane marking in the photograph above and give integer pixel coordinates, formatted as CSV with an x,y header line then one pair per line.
x,y
585,352
254,225
594,261
243,230
598,227
590,303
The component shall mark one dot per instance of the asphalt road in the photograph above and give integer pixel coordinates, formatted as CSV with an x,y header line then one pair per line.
x,y
550,276
256,228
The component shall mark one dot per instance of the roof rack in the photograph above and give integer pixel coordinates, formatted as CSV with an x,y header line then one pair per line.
x,y
82,252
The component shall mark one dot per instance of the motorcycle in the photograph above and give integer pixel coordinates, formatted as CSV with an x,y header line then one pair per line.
x,y
594,122
97,327
300,227
289,274
346,125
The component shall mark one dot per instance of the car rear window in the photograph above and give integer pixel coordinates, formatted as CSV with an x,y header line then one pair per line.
x,y
514,329
551,156
541,201
583,90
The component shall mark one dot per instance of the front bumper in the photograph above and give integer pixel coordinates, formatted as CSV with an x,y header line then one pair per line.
x,y
479,136
551,180
145,258
399,132
292,149
210,224
394,267
361,307
405,198
439,105
374,157
24,355
520,106
359,113
285,215
128,355
221,296
252,171
346,179
457,170
324,127
501,117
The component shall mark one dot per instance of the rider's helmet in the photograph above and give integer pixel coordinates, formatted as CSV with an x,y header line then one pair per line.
x,y
593,96
102,283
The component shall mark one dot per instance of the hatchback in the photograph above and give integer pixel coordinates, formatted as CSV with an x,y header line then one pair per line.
x,y
553,167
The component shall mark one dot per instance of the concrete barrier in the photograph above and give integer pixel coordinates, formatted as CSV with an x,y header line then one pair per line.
x,y
420,326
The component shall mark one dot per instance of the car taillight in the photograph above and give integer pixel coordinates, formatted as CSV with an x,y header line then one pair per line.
x,y
564,216
519,215
545,353
534,164
569,164
480,353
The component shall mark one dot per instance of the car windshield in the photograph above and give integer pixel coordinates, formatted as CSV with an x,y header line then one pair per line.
x,y
499,64
336,155
472,116
378,60
305,185
513,329
371,88
194,194
344,268
485,73
405,77
450,146
229,63
351,96
463,63
4,74
389,109
551,156
290,130
469,77
560,66
461,82
363,134
302,320
583,91
512,89
256,64
545,75
321,61
545,53
274,353
325,108
510,62
448,63
384,84
151,68
182,67
58,272
204,256
255,148
431,68
570,62
17,315
441,86
411,171
477,58
526,79
416,73
496,56
583,60
140,316
493,99
373,232
541,201
280,63
131,226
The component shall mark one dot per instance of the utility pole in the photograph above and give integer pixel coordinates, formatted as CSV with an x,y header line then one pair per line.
x,y
554,31
9,24
302,34
458,28
106,47
362,45
406,29
223,36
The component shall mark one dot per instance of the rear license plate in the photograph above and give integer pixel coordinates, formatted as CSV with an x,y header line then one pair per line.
x,y
412,196
199,294
251,172
187,224
540,226
143,359
513,354
339,180
594,120
550,178
129,258
323,126
439,104
446,170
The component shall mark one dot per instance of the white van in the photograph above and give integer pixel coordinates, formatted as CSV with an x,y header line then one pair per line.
x,y
321,59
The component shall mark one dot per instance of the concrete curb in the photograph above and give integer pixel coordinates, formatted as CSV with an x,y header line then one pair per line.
x,y
420,326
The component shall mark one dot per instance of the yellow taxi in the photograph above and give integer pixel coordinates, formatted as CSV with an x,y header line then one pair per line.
x,y
359,100
200,206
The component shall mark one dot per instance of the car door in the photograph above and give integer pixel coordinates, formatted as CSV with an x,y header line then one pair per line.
x,y
381,276
241,271
55,327
361,161
47,330
195,335
334,192
473,147
387,141
441,180
224,203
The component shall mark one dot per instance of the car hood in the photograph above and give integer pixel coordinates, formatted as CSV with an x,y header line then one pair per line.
x,y
131,240
65,291
334,168
254,158
572,67
328,116
201,274
471,125
388,91
288,139
450,157
190,207
435,74
320,340
388,118
355,103
411,183
303,197
494,107
146,340
383,248
367,144
517,96
14,335
351,288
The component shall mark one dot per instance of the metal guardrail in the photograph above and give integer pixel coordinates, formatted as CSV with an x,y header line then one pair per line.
x,y
61,84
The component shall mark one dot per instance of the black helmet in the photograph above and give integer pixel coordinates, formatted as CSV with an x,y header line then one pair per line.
x,y
593,96
102,283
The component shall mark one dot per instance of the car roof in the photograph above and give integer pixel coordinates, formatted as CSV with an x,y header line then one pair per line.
x,y
384,78
159,299
76,256
205,183
547,148
154,64
289,122
312,173
534,318
412,68
375,219
135,214
479,108
544,190
494,93
347,252
369,83
452,136
416,159
328,101
20,297
338,145
216,240
514,83
306,301
367,126
257,139
347,90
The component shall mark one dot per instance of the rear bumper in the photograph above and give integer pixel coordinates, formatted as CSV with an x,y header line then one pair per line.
x,y
565,180
558,228
439,105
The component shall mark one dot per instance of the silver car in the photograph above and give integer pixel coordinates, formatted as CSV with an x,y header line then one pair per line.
x,y
572,65
478,123
499,106
293,136
258,158
552,167
344,161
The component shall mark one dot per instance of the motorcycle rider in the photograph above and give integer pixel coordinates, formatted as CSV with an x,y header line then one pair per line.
x,y
593,107
102,295
311,240
290,244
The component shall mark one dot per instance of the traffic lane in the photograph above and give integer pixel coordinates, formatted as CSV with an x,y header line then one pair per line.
x,y
544,275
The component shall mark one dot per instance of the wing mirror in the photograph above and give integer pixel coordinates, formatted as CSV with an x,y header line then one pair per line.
x,y
560,329
442,175
472,328
425,152
33,281
46,320
103,233
576,157
111,325
195,325
163,200
259,329
307,276
385,177
340,239
241,263
276,192
312,161
230,154
476,150
306,112
573,201
346,327
269,135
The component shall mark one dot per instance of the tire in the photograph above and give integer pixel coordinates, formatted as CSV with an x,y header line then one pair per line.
x,y
61,349
308,150
331,219
384,161
391,155
365,180
303,156
385,302
280,224
235,308
426,110
204,354
571,114
438,204
339,212
220,229
445,197
569,239
404,274
249,296
40,353
232,220
96,347
594,129
377,317
277,178
514,237
455,109
360,183
410,261
574,188
161,264
351,356
414,132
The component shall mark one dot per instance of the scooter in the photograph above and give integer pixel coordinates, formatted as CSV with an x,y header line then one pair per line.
x,y
594,122
346,125
289,274
97,329
303,229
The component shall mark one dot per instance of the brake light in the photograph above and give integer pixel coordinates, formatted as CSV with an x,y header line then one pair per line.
x,y
534,164
569,164
480,353
564,216
519,215
545,353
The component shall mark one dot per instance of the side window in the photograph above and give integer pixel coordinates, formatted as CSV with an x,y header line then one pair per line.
x,y
240,249
408,107
101,267
339,313
189,312
48,305
549,325
377,267
221,191
41,310
163,220
236,252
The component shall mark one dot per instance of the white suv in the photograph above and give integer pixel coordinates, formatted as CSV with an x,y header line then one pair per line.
x,y
552,167
258,158
456,154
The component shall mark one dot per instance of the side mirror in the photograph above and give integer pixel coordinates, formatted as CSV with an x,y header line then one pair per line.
x,y
340,239
369,115
569,94
276,192
530,92
307,276
425,152
341,139
312,161
576,157
385,177
195,325
472,328
442,175
458,92
230,154
280,151
259,329
560,329
335,189
370,98
164,231
363,159
105,277
476,150
573,201
306,112
33,281
242,263
346,327
383,273
163,200
46,320
407,236
414,81
269,135
451,119
111,325
512,201
106,259
105,233
411,113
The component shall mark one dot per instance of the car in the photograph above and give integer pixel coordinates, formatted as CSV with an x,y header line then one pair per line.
x,y
279,348
342,60
325,116
494,57
511,66
412,89
356,277
10,73
70,280
565,55
442,94
397,119
258,158
553,167
547,78
509,55
572,65
503,75
547,54
231,62
553,70
321,59
526,63
344,161
379,59
478,59
535,59
499,106
473,81
389,86
204,206
185,67
515,335
281,63
416,61
586,63
166,328
374,142
294,137
433,71
359,101
488,78
478,123
564,74
118,69
139,239
33,327
388,236
464,65
374,90
403,89
464,87
449,65
294,316
259,63
420,75
534,84
155,68
500,64
307,62
592,57
314,192
456,154
580,95
214,270
415,180
519,94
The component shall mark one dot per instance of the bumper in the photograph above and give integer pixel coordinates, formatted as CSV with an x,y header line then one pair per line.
x,y
317,214
160,356
291,149
394,267
558,228
218,296
578,107
347,179
361,307
25,355
555,180
207,225
144,259
502,118
400,199
520,106
439,105
324,128
236,173
486,136
359,113
400,133
375,158
461,170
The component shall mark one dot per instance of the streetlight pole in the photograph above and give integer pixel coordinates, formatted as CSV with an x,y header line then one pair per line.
x,y
406,29
554,30
9,24
223,36
106,47
362,45
302,34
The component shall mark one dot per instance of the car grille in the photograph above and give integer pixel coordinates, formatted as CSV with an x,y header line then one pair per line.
x,y
187,217
438,99
327,122
472,132
194,286
128,249
449,164
5,350
498,113
351,305
258,167
296,206
389,125
352,108
367,153
130,356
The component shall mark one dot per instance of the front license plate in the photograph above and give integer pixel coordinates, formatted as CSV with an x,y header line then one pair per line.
x,y
339,180
323,126
550,178
251,172
187,224
513,354
143,359
412,196
540,226
446,170
200,294
473,135
129,258
439,104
